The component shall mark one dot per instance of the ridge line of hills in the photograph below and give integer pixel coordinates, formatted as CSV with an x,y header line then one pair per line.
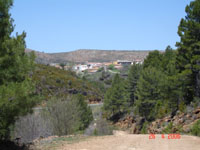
x,y
89,55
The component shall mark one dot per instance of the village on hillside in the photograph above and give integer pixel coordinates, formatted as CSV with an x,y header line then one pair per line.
x,y
92,67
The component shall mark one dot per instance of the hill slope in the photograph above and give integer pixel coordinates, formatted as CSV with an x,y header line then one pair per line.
x,y
54,82
85,55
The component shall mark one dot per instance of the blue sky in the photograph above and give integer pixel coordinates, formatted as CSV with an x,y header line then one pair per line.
x,y
66,25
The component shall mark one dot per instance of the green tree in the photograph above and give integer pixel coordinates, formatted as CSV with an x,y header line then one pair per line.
x,y
188,58
168,61
62,66
16,90
172,90
154,59
151,84
111,67
133,77
85,112
115,100
150,91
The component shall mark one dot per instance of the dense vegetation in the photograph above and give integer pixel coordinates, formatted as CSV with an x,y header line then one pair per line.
x,y
51,81
17,95
59,117
166,82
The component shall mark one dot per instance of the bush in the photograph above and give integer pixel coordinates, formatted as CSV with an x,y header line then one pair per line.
x,y
171,128
32,126
182,107
111,67
68,115
16,99
99,128
195,130
59,117
63,115
103,128
168,129
144,128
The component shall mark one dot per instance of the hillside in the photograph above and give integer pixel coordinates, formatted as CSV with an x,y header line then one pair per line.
x,y
54,82
84,55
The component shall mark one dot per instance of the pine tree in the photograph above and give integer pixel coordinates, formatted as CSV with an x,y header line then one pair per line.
x,y
115,101
188,59
151,84
85,112
154,59
132,80
150,92
16,90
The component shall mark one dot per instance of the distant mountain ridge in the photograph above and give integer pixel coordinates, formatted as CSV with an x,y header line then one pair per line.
x,y
90,55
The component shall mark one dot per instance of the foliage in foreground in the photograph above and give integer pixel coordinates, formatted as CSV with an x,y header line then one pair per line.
x,y
16,89
59,117
68,115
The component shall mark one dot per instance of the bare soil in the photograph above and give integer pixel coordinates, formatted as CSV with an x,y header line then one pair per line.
x,y
123,141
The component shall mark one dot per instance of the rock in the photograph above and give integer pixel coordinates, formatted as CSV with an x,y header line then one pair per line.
x,y
194,117
140,121
197,111
133,129
175,122
198,116
167,119
188,121
186,128
178,112
189,109
84,93
181,115
181,120
154,124
189,115
73,91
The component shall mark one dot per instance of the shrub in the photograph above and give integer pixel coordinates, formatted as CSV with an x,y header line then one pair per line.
x,y
144,128
182,107
111,67
32,126
68,115
64,116
99,128
103,127
169,128
195,130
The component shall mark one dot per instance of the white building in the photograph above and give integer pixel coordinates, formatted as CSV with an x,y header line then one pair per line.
x,y
138,61
82,68
124,62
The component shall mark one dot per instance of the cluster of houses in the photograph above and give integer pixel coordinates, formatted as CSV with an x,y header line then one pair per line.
x,y
92,67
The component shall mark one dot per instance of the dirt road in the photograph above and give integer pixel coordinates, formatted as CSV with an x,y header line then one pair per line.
x,y
123,141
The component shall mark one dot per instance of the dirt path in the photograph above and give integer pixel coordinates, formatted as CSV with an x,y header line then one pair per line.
x,y
123,141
